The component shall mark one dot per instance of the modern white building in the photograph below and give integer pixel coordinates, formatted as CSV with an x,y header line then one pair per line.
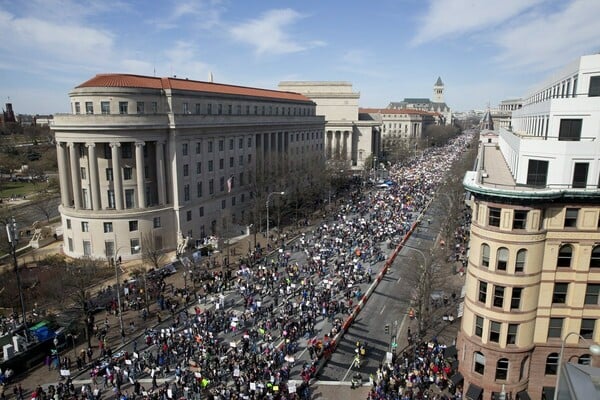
x,y
347,138
163,158
533,279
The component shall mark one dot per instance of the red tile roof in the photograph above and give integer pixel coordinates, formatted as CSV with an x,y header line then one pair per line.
x,y
150,82
394,111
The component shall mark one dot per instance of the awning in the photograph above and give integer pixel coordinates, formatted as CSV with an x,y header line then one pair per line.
x,y
523,395
456,378
474,392
450,352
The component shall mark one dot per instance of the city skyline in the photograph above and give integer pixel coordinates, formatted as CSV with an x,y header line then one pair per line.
x,y
484,52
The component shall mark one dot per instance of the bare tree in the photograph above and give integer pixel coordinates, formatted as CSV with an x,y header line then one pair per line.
x,y
151,253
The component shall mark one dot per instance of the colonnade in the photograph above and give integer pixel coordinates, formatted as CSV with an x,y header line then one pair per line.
x,y
72,162
337,145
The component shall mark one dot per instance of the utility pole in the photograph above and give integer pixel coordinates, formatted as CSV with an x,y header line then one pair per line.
x,y
13,238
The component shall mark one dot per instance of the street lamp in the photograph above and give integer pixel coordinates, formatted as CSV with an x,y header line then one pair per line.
x,y
13,238
268,200
594,349
120,311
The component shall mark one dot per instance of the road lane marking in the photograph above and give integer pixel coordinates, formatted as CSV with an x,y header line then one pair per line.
x,y
381,312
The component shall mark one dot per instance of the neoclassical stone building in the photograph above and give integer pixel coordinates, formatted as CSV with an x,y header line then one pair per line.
x,y
347,137
171,158
533,278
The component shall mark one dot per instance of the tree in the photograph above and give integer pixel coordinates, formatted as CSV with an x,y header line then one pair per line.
x,y
140,274
151,253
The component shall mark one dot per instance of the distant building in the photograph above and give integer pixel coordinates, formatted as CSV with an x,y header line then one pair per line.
x,y
438,104
173,159
533,276
347,137
8,115
502,115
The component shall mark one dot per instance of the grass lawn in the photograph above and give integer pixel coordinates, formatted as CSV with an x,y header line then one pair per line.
x,y
7,189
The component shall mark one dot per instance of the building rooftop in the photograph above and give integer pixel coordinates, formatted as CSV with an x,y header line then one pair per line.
x,y
151,82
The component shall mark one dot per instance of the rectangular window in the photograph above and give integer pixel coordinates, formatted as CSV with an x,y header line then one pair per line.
x,y
70,244
230,144
210,146
495,331
123,107
199,189
520,219
134,245
570,130
82,172
555,328
479,363
133,226
186,108
537,173
186,192
198,108
184,149
126,150
188,215
209,108
241,160
229,109
511,336
198,147
85,226
482,291
559,295
89,107
222,184
233,201
111,198
105,107
109,248
249,142
156,222
68,223
231,162
186,169
198,167
571,217
515,301
201,211
211,186
592,293
494,216
77,108
87,248
154,107
221,163
580,175
221,145
210,165
129,199
223,204
587,328
220,109
127,173
240,143
108,227
478,326
140,107
498,296
594,90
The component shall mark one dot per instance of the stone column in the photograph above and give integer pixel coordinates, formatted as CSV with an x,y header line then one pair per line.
x,y
94,181
63,175
75,174
337,144
140,172
160,173
345,146
117,178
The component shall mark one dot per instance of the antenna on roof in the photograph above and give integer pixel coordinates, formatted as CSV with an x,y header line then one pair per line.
x,y
155,71
210,76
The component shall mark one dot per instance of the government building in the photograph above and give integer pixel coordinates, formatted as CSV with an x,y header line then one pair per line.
x,y
533,276
148,161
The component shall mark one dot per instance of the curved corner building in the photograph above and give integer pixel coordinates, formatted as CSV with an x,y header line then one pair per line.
x,y
533,278
171,158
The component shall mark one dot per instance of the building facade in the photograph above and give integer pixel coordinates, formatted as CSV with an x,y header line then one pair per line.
x,y
151,161
438,105
533,278
347,138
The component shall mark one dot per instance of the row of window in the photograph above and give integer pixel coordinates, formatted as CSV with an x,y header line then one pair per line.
x,y
199,109
519,218
502,257
109,246
537,175
223,184
561,292
499,293
108,226
495,330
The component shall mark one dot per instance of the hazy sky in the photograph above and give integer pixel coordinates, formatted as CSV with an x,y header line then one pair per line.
x,y
484,50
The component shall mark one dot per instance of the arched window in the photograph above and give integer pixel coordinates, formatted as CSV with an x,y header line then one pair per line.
x,y
501,259
502,369
595,259
479,362
565,254
520,261
585,359
485,255
551,364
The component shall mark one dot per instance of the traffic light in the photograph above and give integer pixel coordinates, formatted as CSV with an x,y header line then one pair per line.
x,y
387,329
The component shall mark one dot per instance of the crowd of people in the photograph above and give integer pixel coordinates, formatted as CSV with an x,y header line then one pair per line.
x,y
242,343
